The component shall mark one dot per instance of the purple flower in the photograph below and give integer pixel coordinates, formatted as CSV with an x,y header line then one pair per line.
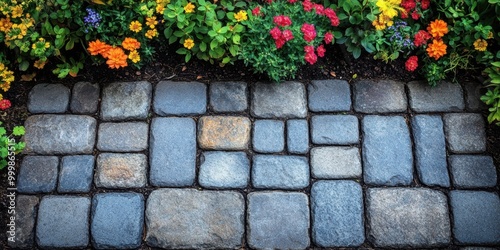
x,y
92,19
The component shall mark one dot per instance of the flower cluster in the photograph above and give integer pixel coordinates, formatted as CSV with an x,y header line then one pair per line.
x,y
116,57
412,7
388,10
412,63
322,11
151,20
6,77
92,19
480,44
437,29
399,36
241,16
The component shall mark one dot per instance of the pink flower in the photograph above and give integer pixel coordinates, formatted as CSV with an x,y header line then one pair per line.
x,y
332,16
282,20
415,15
256,11
309,32
279,42
328,37
412,63
288,35
425,4
307,5
5,104
320,9
275,33
321,50
310,57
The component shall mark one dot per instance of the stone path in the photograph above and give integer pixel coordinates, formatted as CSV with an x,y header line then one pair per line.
x,y
229,165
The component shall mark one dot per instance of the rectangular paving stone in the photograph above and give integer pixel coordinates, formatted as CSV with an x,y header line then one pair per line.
x,y
123,137
268,136
228,96
85,98
473,171
76,174
219,169
172,152
60,134
180,98
48,98
474,91
329,96
335,129
38,174
382,96
430,150
280,172
126,100
407,217
224,132
337,211
335,162
387,151
297,136
192,219
465,133
444,97
284,100
278,220
22,234
121,170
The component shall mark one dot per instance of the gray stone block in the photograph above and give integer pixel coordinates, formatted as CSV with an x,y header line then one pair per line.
x,y
297,136
60,134
177,136
117,220
23,232
38,174
48,98
123,137
224,132
335,162
191,219
180,98
121,170
63,222
284,100
382,96
474,91
476,217
407,217
76,174
335,129
85,98
280,171
337,211
329,95
430,150
473,171
465,133
228,96
126,100
268,136
278,220
224,170
387,151
444,97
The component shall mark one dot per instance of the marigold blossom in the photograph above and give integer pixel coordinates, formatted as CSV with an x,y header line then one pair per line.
x,y
436,49
189,8
412,63
188,43
116,58
16,11
98,48
151,33
131,44
135,26
151,22
480,45
437,28
309,32
241,16
134,56
389,7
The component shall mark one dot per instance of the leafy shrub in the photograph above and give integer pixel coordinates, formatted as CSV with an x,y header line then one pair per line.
x,y
8,145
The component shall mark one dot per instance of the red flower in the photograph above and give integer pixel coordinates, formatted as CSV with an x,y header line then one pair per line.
x,y
309,32
424,4
415,15
408,4
256,11
309,49
292,1
280,42
321,50
275,33
310,57
412,63
307,5
328,37
282,20
5,104
421,38
404,14
332,16
287,35
320,9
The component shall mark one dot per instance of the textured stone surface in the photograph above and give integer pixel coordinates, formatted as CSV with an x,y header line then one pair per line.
x,y
228,96
430,150
63,221
379,96
476,217
123,137
76,174
335,129
60,134
465,133
387,151
471,171
126,100
268,136
48,98
284,100
279,171
191,219
224,132
297,136
121,170
444,97
38,174
474,91
23,232
329,95
335,162
337,211
224,170
278,220
407,217
177,136
180,98
85,98
117,220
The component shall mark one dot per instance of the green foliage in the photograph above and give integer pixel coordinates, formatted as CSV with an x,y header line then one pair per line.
x,y
492,96
8,145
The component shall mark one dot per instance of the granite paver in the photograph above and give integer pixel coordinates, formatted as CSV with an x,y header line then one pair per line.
x,y
335,162
121,170
76,174
126,100
329,96
285,100
48,98
297,136
268,136
85,98
280,172
180,98
444,97
228,96
335,129
473,171
123,137
38,174
224,132
465,132
220,169
379,96
22,233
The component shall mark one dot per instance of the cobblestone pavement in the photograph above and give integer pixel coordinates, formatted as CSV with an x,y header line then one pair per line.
x,y
229,165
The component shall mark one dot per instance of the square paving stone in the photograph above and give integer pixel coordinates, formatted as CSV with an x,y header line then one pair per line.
x,y
465,133
335,129
284,100
85,98
280,172
224,132
474,91
297,136
180,98
63,222
123,137
228,96
224,170
121,170
268,136
335,162
407,217
126,100
192,219
117,220
48,98
381,96
38,174
444,97
337,211
473,171
278,220
329,95
22,234
476,217
76,174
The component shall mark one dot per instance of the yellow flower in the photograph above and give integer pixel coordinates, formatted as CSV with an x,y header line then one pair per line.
x,y
480,45
134,56
241,16
389,7
189,8
490,35
16,11
135,26
160,9
5,24
39,64
1,97
382,22
151,33
188,43
151,22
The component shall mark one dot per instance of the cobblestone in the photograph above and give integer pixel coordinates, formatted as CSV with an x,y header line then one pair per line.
x,y
335,162
180,98
335,129
473,171
38,174
465,133
297,136
121,170
224,132
228,96
445,97
24,228
224,170
85,98
126,100
280,172
379,96
48,98
329,96
123,137
76,174
285,100
268,136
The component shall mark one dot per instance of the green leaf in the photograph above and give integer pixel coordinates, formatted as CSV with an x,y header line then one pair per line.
x,y
23,66
356,52
18,131
181,51
240,4
236,39
70,44
167,32
188,57
3,164
226,60
178,33
3,152
203,46
2,131
214,44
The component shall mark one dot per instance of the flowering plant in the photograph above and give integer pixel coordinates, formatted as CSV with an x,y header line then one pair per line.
x,y
8,146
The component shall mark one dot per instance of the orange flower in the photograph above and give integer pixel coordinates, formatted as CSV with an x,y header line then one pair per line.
x,y
99,48
131,44
436,49
116,58
437,28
